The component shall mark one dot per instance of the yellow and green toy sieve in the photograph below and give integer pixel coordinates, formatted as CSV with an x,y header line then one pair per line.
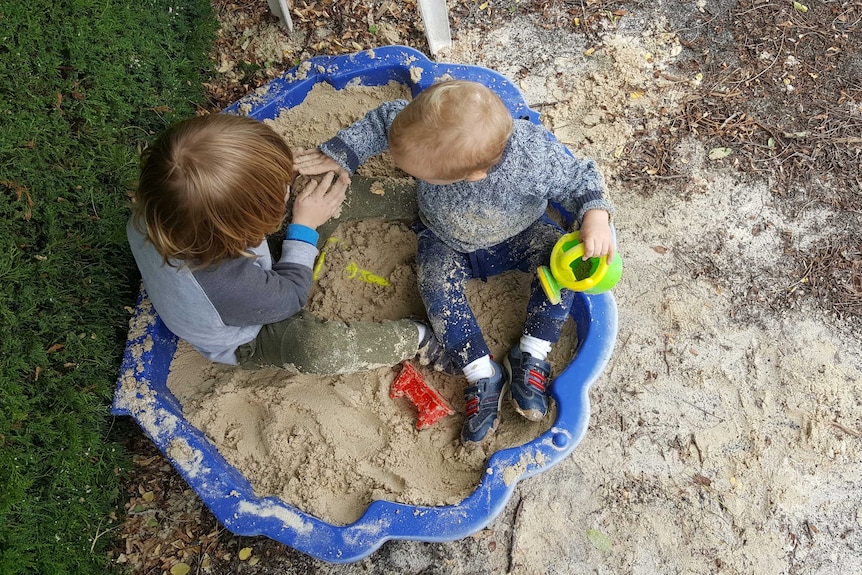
x,y
569,270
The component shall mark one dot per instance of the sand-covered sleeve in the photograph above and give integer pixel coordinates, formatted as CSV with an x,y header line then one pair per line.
x,y
367,137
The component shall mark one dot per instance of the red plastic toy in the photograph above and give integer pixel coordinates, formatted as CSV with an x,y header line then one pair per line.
x,y
431,405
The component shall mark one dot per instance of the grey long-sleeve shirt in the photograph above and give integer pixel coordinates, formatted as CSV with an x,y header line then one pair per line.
x,y
535,168
217,309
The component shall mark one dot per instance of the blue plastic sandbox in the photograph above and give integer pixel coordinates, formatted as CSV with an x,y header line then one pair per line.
x,y
142,390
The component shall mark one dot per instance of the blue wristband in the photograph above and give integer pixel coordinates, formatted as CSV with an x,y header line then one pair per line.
x,y
302,233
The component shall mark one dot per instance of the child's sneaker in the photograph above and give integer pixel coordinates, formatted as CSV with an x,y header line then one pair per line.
x,y
529,380
483,400
432,354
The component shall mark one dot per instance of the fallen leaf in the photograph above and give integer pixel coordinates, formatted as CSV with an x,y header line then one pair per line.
x,y
719,153
701,480
180,569
244,553
600,541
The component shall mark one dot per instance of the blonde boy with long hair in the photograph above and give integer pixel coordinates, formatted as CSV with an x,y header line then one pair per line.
x,y
211,190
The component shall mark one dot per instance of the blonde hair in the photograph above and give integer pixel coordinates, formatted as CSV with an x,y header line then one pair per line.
x,y
456,126
211,187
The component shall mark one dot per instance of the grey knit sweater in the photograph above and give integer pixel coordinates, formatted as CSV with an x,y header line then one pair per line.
x,y
468,216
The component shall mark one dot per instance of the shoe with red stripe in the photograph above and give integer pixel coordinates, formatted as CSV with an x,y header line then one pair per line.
x,y
529,383
483,400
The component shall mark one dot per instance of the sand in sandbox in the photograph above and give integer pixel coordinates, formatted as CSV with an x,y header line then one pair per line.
x,y
331,445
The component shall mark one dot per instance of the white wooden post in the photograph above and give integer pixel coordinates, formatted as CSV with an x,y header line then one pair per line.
x,y
435,16
281,9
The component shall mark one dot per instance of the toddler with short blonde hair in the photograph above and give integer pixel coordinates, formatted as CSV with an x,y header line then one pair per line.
x,y
456,127
485,181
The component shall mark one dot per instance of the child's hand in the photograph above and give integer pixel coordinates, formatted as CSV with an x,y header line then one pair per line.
x,y
315,162
596,236
319,201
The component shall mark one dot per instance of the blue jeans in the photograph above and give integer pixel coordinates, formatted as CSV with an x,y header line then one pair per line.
x,y
443,272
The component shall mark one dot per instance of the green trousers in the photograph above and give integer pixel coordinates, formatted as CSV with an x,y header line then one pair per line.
x,y
306,344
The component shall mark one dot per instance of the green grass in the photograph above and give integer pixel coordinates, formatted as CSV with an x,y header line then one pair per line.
x,y
84,84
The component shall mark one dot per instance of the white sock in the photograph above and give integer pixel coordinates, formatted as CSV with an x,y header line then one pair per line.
x,y
538,348
423,329
479,369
